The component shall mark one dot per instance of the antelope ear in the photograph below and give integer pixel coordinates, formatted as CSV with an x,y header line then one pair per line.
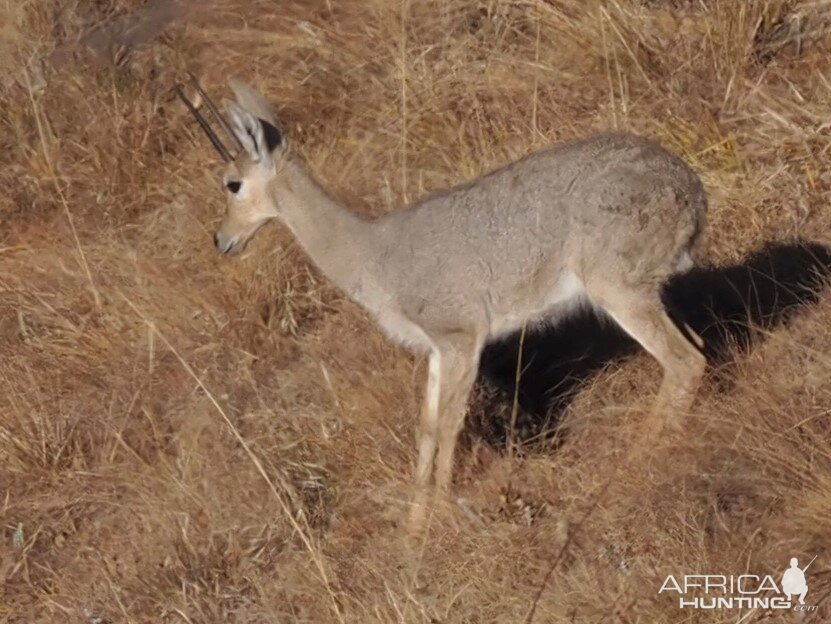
x,y
255,103
273,137
258,137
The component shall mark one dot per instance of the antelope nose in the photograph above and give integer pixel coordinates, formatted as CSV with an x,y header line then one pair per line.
x,y
223,243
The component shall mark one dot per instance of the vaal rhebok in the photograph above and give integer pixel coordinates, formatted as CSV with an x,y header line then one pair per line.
x,y
601,221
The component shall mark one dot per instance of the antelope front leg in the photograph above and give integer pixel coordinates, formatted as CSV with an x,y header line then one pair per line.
x,y
460,362
450,376
427,437
455,392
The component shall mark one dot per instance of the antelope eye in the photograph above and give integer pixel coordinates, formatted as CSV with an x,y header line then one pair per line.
x,y
234,186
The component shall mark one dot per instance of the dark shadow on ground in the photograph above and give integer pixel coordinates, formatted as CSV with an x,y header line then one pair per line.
x,y
729,307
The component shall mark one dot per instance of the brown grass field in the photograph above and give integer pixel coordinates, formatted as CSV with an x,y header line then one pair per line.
x,y
191,438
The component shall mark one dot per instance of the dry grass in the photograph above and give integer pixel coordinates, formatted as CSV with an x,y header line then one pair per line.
x,y
185,438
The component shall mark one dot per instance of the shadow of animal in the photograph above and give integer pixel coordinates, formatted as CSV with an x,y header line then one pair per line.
x,y
729,307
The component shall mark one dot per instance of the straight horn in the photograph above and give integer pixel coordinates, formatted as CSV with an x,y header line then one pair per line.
x,y
215,140
214,110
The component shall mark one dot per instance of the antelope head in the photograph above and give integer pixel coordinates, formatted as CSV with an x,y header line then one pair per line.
x,y
250,177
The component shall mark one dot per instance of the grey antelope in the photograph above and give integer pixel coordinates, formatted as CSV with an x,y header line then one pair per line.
x,y
603,221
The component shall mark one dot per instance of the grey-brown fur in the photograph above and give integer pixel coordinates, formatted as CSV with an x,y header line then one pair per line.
x,y
603,220
480,255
